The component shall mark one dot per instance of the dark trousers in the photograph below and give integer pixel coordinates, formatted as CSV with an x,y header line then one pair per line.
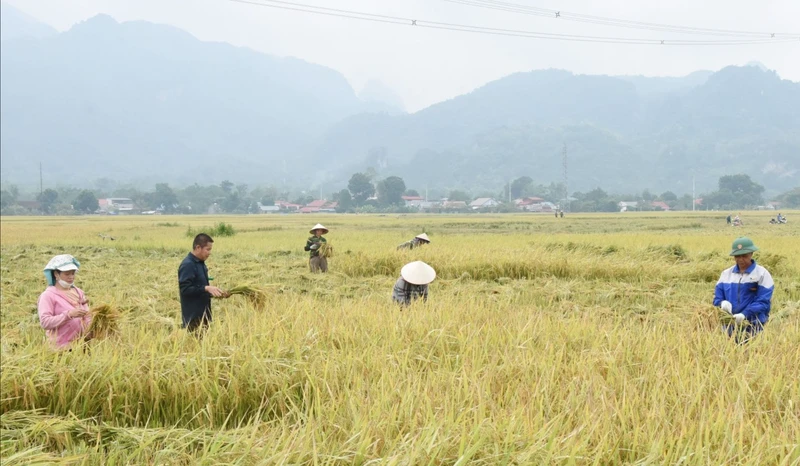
x,y
318,264
198,325
743,335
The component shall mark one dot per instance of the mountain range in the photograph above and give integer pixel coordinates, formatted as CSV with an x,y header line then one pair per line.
x,y
15,24
137,101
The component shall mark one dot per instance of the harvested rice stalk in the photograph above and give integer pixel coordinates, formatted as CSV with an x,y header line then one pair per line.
x,y
326,250
256,296
727,319
790,310
105,321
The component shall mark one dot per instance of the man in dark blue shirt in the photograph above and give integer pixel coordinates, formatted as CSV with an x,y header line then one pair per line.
x,y
195,291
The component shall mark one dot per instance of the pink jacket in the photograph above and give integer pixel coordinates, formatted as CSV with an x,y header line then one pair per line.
x,y
53,309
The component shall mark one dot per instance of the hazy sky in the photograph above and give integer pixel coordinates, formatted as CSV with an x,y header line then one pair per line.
x,y
426,66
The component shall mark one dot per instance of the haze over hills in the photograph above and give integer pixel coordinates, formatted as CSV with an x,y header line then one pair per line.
x,y
381,97
740,120
124,100
139,101
15,24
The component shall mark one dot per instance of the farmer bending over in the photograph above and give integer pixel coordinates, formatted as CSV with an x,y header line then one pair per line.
x,y
418,240
413,283
195,291
745,290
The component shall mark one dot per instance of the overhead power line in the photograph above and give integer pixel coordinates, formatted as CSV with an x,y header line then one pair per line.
x,y
615,22
421,23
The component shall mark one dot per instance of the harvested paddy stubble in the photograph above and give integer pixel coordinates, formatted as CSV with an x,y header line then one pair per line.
x,y
565,347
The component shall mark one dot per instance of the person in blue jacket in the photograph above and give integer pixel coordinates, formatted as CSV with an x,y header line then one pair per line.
x,y
745,290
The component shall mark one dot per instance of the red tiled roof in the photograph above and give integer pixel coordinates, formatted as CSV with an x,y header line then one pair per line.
x,y
317,203
530,200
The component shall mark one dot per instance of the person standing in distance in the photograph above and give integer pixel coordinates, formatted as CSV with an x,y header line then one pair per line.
x,y
195,290
316,262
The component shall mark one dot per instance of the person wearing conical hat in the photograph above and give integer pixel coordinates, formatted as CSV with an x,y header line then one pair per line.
x,y
745,290
418,240
317,263
413,283
63,307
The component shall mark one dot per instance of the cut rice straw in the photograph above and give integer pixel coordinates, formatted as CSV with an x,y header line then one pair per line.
x,y
256,296
105,321
326,250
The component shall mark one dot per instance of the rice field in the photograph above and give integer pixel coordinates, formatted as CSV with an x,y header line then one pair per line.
x,y
578,341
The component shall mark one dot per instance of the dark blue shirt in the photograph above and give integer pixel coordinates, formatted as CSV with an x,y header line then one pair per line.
x,y
192,282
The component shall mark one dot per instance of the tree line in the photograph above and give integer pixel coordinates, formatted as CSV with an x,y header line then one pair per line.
x,y
366,193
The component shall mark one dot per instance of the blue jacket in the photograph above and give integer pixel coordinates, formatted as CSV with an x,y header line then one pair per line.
x,y
749,292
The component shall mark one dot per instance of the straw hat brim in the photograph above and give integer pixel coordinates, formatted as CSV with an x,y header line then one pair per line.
x,y
418,273
423,237
318,226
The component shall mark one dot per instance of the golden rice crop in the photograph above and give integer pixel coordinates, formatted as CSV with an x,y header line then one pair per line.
x,y
105,321
256,296
543,341
326,249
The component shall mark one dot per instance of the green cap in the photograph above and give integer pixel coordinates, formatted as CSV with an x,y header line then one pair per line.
x,y
743,245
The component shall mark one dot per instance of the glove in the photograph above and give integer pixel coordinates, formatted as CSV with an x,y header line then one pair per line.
x,y
726,306
739,318
314,246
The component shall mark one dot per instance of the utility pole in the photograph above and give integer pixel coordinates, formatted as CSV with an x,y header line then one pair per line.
x,y
693,195
566,186
284,174
40,179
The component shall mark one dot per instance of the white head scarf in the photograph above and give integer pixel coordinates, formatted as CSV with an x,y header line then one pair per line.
x,y
62,263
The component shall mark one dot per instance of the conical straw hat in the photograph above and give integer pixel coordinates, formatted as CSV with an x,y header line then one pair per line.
x,y
319,226
418,273
423,237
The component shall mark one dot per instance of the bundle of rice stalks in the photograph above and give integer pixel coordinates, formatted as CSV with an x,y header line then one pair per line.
x,y
326,250
256,296
105,321
714,317
728,319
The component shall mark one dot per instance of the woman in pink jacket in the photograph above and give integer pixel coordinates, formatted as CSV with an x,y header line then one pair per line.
x,y
63,308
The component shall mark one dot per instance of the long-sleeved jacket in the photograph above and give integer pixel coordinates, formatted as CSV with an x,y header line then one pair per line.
x,y
411,244
192,282
749,292
312,240
53,308
404,292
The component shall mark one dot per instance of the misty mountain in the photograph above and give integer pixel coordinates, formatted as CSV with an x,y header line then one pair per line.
x,y
127,100
14,24
661,85
143,102
620,137
381,98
